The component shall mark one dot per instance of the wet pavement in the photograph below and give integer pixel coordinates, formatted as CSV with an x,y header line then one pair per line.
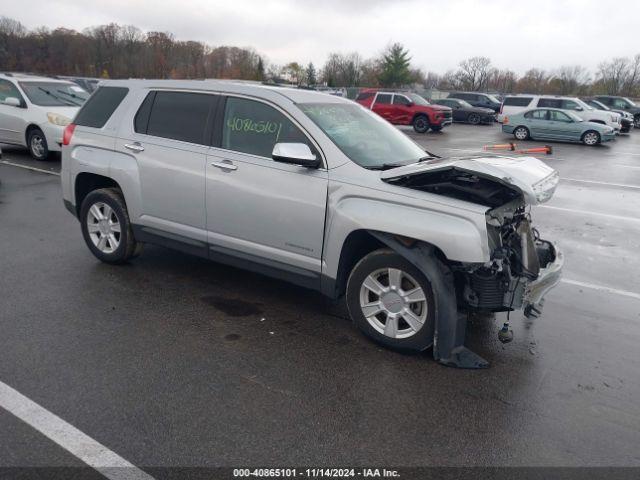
x,y
176,361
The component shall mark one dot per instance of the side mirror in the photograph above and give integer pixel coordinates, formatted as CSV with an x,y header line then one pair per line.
x,y
12,102
295,154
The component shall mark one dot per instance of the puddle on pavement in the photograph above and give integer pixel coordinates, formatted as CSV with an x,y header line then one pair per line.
x,y
233,307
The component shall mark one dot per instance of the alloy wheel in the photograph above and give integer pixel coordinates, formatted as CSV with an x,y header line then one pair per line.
x,y
37,146
591,138
393,303
103,227
521,133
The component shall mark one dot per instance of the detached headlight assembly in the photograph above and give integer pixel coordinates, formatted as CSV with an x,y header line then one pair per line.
x,y
58,119
545,188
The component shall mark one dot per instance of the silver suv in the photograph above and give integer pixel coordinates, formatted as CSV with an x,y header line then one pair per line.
x,y
317,190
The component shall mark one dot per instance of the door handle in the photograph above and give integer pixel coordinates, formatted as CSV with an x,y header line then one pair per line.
x,y
134,147
224,165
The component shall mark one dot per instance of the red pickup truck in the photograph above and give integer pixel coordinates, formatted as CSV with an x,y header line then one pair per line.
x,y
406,109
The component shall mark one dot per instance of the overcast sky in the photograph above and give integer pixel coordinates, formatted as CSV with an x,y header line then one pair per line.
x,y
439,34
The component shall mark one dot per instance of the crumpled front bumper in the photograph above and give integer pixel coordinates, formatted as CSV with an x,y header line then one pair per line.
x,y
548,278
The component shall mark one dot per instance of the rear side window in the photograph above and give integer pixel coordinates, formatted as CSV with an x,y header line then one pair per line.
x,y
98,109
537,114
180,116
254,127
365,95
384,98
517,101
550,103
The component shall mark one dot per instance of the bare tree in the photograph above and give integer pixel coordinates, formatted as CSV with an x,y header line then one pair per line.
x,y
473,73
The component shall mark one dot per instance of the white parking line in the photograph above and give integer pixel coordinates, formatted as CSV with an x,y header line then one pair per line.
x,y
597,214
26,167
602,288
68,437
626,166
595,182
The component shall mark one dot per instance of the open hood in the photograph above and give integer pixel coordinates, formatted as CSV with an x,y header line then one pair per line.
x,y
531,177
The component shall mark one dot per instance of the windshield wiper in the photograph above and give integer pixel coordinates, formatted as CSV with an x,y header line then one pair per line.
x,y
72,95
68,102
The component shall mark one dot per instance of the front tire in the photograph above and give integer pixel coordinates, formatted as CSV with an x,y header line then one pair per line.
x,y
37,143
474,119
421,124
591,138
391,301
521,133
636,121
106,227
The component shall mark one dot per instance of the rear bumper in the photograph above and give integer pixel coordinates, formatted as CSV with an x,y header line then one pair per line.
x,y
548,278
507,129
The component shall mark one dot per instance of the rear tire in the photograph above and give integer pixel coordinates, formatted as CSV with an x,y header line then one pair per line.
x,y
386,281
106,227
521,133
590,138
37,144
421,124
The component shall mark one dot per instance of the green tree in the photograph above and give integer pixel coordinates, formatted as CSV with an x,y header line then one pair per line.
x,y
311,75
395,66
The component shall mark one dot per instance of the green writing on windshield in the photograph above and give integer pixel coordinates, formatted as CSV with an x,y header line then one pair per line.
x,y
265,127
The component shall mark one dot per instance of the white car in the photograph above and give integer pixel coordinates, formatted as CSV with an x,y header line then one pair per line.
x,y
513,104
35,110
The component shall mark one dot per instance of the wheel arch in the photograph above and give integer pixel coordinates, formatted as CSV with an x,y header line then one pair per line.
x,y
358,244
601,122
87,182
29,129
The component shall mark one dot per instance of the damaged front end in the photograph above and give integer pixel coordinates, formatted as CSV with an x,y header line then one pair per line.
x,y
522,267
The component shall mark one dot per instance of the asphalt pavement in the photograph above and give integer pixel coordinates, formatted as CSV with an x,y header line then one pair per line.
x,y
176,361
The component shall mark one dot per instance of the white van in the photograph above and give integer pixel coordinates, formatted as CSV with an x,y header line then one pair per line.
x,y
513,104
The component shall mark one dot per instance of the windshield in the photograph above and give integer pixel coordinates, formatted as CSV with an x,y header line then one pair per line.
x,y
367,139
573,116
583,105
54,94
464,104
598,105
417,99
629,102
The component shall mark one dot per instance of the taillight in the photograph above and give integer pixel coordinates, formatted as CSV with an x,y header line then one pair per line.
x,y
505,120
68,133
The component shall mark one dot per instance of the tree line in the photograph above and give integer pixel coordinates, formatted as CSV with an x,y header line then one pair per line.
x,y
115,51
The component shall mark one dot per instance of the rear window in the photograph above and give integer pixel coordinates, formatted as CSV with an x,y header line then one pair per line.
x,y
100,106
550,102
517,101
365,95
180,116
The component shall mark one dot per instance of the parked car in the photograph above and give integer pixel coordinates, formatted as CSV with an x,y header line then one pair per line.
x,y
406,109
478,99
35,110
626,119
621,103
519,103
316,190
556,124
87,83
465,112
